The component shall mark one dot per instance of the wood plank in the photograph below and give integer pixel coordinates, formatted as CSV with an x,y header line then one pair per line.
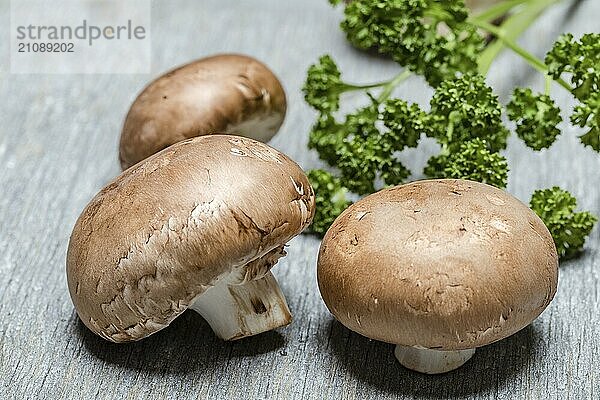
x,y
58,147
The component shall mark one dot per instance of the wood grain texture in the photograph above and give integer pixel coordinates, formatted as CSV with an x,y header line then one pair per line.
x,y
58,147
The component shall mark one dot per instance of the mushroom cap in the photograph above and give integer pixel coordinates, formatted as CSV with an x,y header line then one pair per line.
x,y
438,264
165,230
228,93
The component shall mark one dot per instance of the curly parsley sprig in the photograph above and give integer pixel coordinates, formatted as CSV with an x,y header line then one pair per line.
x,y
411,33
330,199
556,207
537,117
443,43
466,108
472,160
580,59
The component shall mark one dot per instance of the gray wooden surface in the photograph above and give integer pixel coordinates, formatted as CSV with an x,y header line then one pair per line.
x,y
58,147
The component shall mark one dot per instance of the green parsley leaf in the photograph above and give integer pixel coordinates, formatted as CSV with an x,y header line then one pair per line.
x,y
556,207
536,116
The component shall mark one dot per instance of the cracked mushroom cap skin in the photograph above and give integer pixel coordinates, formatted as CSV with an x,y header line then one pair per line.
x,y
164,231
438,264
228,93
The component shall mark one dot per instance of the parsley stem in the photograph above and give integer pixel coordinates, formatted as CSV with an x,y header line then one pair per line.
x,y
500,33
498,10
349,87
548,84
510,30
391,85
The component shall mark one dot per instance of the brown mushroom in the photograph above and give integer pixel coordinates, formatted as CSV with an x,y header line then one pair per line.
x,y
228,93
438,268
198,225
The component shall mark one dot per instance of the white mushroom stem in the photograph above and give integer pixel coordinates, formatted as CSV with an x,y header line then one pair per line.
x,y
246,302
236,311
430,361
